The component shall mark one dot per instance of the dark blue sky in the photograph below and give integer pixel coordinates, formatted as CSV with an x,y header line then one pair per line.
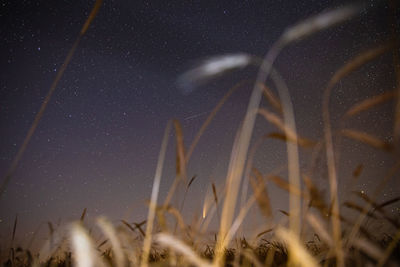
x,y
96,146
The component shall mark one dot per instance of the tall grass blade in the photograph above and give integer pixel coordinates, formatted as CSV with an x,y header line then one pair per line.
x,y
154,197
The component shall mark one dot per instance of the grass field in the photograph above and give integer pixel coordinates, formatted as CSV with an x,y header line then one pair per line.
x,y
314,233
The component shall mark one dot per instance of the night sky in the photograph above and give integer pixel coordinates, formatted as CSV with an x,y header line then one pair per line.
x,y
97,144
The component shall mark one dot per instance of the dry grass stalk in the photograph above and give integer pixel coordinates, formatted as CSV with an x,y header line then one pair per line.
x,y
298,255
370,103
128,225
265,232
261,193
14,229
215,193
284,212
367,139
191,181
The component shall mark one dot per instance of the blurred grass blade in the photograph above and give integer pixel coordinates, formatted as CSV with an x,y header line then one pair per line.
x,y
284,212
91,17
320,22
212,68
261,193
389,250
215,193
14,229
370,103
367,139
180,247
361,60
191,181
272,98
180,151
284,185
154,197
369,248
6,179
319,228
301,141
111,234
315,196
358,170
82,247
298,254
